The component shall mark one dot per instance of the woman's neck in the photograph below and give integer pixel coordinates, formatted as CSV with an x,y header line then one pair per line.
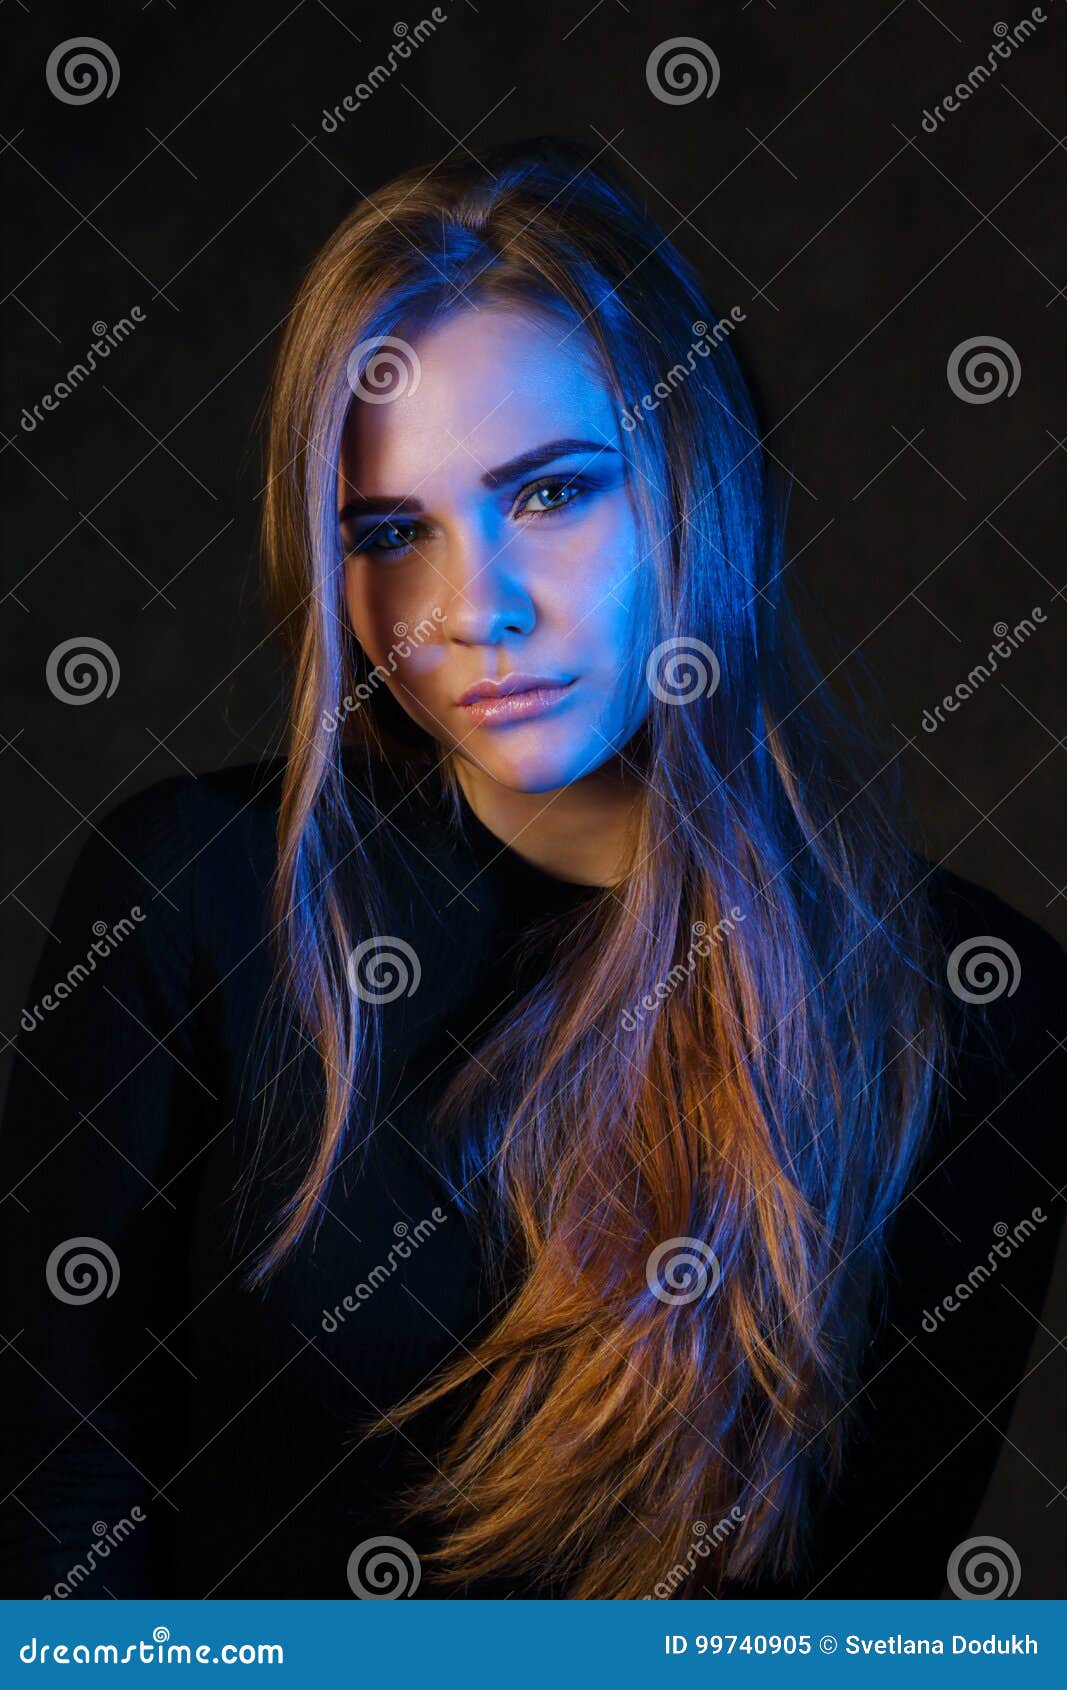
x,y
580,832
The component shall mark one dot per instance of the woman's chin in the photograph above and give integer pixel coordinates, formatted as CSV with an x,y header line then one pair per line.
x,y
526,768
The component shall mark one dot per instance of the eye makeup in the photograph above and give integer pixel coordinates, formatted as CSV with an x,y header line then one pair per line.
x,y
396,536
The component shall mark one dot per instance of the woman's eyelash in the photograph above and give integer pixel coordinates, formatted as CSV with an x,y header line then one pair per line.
x,y
562,484
363,542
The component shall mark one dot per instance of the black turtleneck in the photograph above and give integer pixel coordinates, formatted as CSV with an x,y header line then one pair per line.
x,y
208,1435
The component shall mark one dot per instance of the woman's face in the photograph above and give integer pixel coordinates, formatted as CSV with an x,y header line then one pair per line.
x,y
488,528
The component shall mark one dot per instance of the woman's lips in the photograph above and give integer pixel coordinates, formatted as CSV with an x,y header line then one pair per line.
x,y
515,706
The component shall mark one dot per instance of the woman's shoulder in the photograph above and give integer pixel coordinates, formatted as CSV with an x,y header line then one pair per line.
x,y
238,804
186,857
186,809
204,847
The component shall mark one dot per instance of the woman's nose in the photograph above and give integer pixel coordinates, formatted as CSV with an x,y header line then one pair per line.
x,y
486,596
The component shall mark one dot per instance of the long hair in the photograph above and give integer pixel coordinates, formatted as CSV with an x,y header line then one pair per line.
x,y
699,1120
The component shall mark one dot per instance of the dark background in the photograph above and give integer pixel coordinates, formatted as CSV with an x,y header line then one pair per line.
x,y
862,250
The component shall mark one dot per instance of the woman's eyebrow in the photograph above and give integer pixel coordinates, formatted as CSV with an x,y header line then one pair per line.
x,y
538,456
524,464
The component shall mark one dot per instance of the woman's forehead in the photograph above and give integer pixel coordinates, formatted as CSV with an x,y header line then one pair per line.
x,y
475,391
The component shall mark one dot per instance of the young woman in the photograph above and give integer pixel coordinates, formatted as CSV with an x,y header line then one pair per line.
x,y
525,1140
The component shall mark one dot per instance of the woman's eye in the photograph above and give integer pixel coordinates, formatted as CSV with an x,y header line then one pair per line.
x,y
396,537
549,496
387,537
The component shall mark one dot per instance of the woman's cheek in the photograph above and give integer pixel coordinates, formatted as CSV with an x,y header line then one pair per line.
x,y
399,629
377,608
606,546
598,577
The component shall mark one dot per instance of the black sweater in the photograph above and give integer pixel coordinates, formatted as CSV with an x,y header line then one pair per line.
x,y
203,1434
